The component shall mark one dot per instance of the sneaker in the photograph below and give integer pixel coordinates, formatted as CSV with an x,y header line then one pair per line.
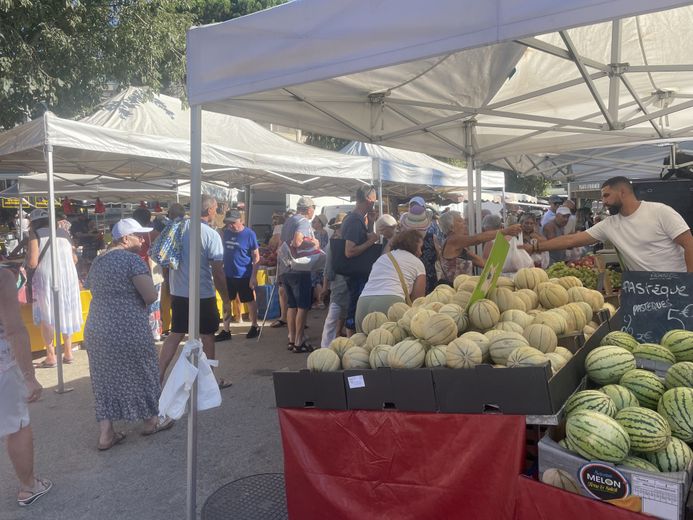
x,y
224,335
253,332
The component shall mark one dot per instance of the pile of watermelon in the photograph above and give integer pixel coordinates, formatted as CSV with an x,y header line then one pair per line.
x,y
516,326
635,419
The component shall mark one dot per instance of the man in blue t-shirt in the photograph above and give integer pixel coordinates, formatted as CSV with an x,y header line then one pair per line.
x,y
241,257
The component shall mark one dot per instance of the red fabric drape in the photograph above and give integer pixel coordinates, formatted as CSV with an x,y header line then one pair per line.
x,y
537,501
396,465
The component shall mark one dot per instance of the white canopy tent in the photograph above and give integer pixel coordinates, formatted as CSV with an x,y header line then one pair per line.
x,y
473,80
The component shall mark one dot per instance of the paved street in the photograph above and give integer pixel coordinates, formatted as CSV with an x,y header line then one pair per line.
x,y
145,476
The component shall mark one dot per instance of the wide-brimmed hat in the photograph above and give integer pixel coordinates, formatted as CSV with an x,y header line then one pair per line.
x,y
338,220
128,226
38,214
411,220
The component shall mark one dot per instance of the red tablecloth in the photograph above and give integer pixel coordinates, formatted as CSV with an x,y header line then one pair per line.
x,y
396,465
537,501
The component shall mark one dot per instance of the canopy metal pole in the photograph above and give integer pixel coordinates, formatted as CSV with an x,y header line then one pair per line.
x,y
477,197
21,218
470,194
614,79
377,174
55,287
504,206
194,297
248,202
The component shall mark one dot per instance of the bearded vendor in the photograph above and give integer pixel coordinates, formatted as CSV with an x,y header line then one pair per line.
x,y
649,236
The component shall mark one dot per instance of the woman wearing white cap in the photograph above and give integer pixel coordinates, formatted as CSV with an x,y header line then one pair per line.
x,y
69,303
123,361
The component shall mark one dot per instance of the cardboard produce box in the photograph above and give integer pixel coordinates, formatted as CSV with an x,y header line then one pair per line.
x,y
306,389
662,495
390,389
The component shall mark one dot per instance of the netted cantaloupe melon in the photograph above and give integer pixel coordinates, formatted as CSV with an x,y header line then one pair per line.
x,y
340,345
506,299
459,280
517,316
457,314
323,360
435,357
378,356
463,353
358,339
420,322
440,330
529,278
569,281
552,319
552,296
541,337
484,314
490,334
419,301
509,326
372,321
377,337
355,357
564,352
529,297
461,298
396,311
481,340
405,320
397,332
409,353
526,356
501,346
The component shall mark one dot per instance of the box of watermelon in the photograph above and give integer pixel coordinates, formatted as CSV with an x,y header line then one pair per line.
x,y
596,464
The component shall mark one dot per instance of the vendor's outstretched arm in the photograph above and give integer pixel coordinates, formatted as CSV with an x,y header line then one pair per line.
x,y
564,242
685,240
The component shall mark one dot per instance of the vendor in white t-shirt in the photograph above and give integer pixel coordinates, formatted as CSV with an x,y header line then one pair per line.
x,y
649,236
384,286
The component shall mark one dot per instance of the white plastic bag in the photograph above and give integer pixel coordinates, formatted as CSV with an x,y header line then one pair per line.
x,y
208,394
517,258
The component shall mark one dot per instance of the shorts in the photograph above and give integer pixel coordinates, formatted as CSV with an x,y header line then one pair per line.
x,y
240,287
299,290
209,315
14,410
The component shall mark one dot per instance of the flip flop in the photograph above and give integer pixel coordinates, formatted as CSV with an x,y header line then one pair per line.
x,y
224,384
118,437
43,364
167,424
46,486
277,324
68,361
303,348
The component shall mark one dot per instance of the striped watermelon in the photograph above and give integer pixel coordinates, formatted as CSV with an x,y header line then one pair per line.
x,y
676,456
590,400
680,342
526,356
654,352
620,339
645,386
595,435
633,462
679,374
676,405
648,431
607,364
620,395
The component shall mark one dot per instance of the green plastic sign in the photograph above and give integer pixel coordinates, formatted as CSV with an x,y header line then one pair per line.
x,y
492,269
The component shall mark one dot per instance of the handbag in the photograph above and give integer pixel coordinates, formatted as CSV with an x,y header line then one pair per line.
x,y
301,263
355,266
407,298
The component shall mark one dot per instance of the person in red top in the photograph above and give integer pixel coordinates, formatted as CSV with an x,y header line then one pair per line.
x,y
67,206
99,207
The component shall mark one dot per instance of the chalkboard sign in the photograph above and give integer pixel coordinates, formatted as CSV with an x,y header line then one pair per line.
x,y
653,303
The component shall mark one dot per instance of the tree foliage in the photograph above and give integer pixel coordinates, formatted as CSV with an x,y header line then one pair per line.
x,y
325,141
59,55
534,185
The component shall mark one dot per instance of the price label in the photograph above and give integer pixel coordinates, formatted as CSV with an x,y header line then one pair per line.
x,y
356,382
659,497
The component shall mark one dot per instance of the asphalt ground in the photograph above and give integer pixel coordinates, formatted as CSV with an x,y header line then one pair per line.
x,y
145,477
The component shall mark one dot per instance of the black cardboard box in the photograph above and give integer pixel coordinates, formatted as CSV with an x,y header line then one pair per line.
x,y
306,389
390,389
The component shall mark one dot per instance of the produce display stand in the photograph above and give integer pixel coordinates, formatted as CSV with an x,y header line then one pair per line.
x,y
410,461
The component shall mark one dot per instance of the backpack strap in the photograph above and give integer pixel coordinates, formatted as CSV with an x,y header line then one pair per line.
x,y
407,298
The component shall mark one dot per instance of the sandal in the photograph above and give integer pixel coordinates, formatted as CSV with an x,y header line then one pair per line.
x,y
167,424
43,364
290,345
277,324
45,487
303,348
224,384
68,361
118,437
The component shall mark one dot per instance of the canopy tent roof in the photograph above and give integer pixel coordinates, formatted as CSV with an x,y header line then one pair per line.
x,y
373,72
82,186
140,136
404,166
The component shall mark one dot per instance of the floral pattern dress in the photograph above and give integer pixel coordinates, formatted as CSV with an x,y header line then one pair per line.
x,y
122,357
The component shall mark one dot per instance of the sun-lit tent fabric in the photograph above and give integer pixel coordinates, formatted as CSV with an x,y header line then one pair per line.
x,y
81,186
404,166
470,81
140,136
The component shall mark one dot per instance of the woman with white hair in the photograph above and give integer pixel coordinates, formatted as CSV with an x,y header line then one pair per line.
x,y
386,226
455,258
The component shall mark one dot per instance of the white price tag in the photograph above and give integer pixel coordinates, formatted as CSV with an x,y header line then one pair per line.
x,y
356,382
659,497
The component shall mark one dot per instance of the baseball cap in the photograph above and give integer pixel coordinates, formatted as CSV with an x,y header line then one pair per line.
x,y
38,214
556,199
563,211
305,202
128,226
232,215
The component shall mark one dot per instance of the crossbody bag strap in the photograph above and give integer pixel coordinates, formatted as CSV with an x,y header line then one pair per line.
x,y
43,252
407,298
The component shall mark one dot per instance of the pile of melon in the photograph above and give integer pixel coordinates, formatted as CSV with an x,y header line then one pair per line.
x,y
634,419
516,326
